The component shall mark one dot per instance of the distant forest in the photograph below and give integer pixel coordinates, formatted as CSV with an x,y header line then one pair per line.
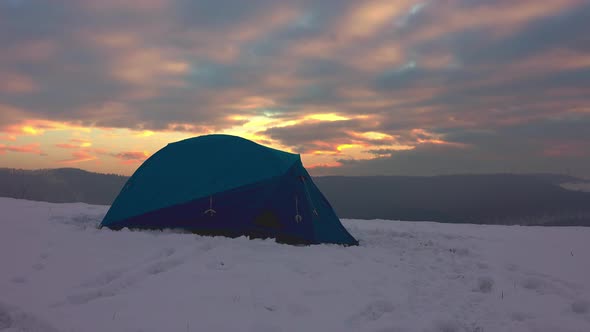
x,y
506,199
479,199
61,185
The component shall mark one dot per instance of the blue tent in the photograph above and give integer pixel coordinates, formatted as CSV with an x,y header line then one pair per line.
x,y
227,185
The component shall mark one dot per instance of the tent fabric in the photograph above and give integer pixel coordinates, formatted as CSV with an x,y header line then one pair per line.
x,y
227,185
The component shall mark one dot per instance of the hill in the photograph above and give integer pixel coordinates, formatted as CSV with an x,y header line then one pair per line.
x,y
480,199
62,185
536,199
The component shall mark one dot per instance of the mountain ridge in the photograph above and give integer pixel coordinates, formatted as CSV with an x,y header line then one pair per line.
x,y
533,199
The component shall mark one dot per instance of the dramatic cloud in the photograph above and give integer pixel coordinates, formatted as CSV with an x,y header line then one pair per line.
x,y
356,87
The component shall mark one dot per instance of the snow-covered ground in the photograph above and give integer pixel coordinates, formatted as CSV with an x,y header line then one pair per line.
x,y
59,273
578,186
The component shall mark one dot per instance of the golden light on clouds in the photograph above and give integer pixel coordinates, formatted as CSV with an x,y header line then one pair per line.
x,y
373,135
39,127
146,133
323,152
326,117
343,147
333,81
122,150
29,130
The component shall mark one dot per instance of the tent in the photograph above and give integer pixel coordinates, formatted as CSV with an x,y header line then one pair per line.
x,y
227,185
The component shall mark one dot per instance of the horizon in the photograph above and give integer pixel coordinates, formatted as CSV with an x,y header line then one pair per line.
x,y
411,88
328,175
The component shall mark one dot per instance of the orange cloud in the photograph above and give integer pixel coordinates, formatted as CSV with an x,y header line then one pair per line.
x,y
79,143
35,127
78,157
28,148
67,146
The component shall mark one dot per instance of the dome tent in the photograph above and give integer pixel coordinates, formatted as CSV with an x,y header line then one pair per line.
x,y
227,185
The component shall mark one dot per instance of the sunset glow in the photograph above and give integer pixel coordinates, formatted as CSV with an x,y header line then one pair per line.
x,y
369,87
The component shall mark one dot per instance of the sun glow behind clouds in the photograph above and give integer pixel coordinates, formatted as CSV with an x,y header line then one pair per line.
x,y
342,147
122,150
30,130
326,117
373,135
331,80
146,133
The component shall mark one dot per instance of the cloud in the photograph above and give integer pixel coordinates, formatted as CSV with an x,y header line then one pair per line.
x,y
315,135
8,138
75,143
9,115
466,73
33,148
550,146
14,83
131,157
79,157
67,146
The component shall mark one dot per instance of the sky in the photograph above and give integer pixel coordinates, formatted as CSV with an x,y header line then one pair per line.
x,y
356,87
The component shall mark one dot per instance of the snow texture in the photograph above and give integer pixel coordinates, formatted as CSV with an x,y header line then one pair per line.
x,y
58,272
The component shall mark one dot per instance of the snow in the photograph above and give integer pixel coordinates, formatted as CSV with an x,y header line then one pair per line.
x,y
577,186
58,272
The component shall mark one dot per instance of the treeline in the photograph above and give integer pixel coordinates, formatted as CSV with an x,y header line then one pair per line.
x,y
63,185
481,199
506,199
